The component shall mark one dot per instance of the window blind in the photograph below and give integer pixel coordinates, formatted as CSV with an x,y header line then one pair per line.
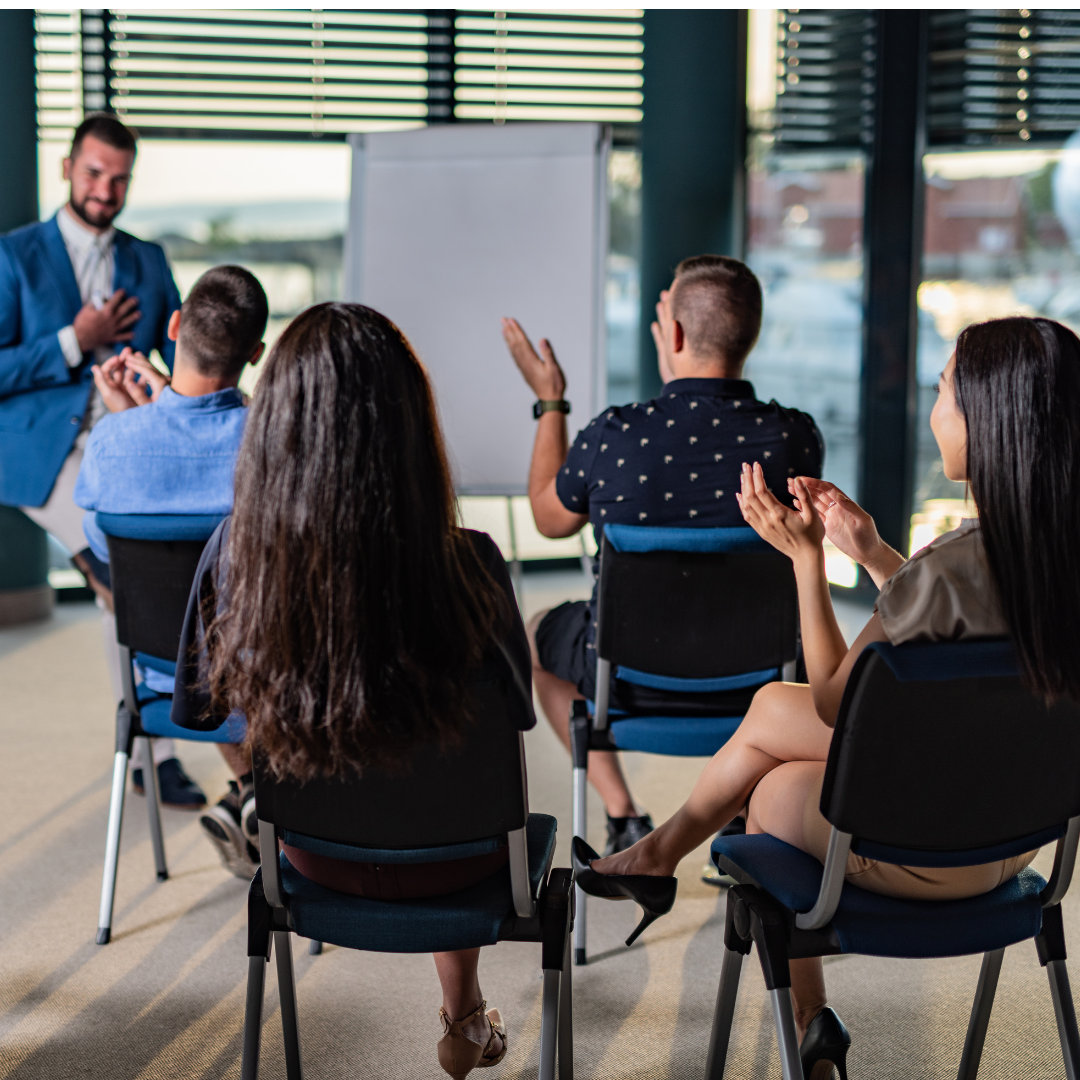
x,y
1003,77
824,79
325,74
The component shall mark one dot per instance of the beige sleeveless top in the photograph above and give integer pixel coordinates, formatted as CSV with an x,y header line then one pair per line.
x,y
943,592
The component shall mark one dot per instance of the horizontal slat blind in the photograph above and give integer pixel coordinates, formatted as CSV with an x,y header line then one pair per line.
x,y
1003,77
543,65
825,79
297,74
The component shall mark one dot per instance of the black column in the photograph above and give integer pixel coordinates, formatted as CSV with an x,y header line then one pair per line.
x,y
19,176
693,150
23,553
892,243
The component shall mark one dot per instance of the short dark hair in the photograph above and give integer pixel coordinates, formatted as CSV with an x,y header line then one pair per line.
x,y
107,128
717,301
223,320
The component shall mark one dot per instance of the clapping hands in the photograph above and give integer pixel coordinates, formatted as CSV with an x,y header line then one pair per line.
x,y
127,380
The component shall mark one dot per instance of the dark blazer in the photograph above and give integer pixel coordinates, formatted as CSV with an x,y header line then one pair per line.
x,y
42,400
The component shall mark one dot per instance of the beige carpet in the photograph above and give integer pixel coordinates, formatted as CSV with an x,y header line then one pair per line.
x,y
165,998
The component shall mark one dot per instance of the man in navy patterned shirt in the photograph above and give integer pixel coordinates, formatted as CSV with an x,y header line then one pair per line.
x,y
674,460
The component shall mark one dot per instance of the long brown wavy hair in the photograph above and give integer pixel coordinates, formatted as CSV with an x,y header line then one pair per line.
x,y
1017,382
354,606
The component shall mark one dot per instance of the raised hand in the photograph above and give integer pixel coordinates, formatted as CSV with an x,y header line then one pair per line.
x,y
540,369
111,322
849,528
142,380
661,335
792,532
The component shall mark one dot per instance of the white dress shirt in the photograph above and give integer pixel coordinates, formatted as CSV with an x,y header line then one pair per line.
x,y
91,256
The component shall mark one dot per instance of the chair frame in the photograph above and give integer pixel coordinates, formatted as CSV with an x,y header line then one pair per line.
x,y
181,539
754,917
591,729
546,918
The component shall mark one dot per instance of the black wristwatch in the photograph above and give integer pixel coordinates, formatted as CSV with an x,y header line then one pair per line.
x,y
541,407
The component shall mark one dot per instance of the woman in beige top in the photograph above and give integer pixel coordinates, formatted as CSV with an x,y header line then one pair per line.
x,y
1007,420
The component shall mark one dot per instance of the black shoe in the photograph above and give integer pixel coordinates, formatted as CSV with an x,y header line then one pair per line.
x,y
825,1046
654,894
622,832
222,825
175,787
710,872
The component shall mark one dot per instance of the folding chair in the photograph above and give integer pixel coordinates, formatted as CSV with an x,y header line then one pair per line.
x,y
691,623
449,803
152,559
940,758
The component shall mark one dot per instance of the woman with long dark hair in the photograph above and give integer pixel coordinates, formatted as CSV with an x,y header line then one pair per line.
x,y
1007,420
343,609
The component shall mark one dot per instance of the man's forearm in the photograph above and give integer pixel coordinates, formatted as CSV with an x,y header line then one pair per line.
x,y
549,452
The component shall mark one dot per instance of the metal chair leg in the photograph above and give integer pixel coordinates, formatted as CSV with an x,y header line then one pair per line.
x,y
314,948
112,847
980,1014
580,827
1065,1013
566,1018
549,1023
787,1037
153,808
249,1067
287,996
730,972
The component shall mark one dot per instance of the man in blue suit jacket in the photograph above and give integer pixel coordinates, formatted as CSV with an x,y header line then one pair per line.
x,y
73,291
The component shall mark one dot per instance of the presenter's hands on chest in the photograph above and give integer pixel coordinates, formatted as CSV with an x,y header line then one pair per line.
x,y
110,322
540,369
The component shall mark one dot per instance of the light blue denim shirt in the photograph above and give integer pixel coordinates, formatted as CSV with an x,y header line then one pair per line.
x,y
176,456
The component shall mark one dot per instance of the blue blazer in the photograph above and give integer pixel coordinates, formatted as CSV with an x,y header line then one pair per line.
x,y
42,400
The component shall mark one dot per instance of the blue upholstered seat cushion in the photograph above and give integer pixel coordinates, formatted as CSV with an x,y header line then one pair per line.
x,y
154,712
462,920
875,925
676,736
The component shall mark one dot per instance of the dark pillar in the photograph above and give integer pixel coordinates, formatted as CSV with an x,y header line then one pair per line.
x,y
892,242
24,592
19,176
693,150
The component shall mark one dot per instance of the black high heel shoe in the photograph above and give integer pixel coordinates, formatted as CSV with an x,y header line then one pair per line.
x,y
825,1046
654,894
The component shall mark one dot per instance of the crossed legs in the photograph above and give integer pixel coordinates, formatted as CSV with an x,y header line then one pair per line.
x,y
776,760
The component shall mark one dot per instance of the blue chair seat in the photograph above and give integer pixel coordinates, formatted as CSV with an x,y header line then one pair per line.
x,y
154,712
678,736
876,925
465,919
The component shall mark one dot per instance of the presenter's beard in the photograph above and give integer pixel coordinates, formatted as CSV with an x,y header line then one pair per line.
x,y
100,218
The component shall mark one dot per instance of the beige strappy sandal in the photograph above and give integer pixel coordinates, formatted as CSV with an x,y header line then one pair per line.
x,y
459,1053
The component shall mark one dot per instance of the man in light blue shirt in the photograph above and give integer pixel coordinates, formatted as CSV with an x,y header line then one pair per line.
x,y
169,447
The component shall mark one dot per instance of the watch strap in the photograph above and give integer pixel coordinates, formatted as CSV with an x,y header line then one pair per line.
x,y
559,405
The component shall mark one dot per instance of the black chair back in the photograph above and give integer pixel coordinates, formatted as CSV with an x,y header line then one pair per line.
x,y
151,583
694,615
472,789
941,748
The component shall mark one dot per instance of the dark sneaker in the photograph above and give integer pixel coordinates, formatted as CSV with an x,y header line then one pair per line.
x,y
710,873
221,823
249,819
177,789
624,831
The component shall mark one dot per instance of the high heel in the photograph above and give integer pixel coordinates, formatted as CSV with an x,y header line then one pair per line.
x,y
825,1046
459,1053
653,893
